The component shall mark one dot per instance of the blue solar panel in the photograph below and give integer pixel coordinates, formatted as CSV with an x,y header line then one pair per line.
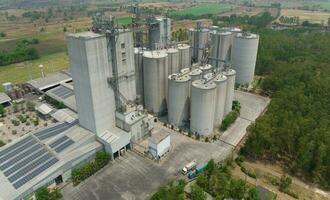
x,y
17,151
53,131
44,131
19,157
12,147
29,168
35,173
58,141
62,92
64,145
25,162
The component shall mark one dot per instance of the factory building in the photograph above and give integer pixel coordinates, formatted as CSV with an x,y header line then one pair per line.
x,y
160,34
244,56
155,73
159,144
91,72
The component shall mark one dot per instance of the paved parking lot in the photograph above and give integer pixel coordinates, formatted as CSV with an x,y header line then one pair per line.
x,y
133,177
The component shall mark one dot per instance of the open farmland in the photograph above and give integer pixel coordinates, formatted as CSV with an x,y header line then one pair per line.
x,y
203,9
311,16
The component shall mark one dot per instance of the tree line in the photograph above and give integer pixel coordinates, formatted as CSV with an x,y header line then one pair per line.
x,y
295,129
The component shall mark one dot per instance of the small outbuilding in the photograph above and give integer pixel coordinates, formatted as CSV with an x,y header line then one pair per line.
x,y
4,98
44,110
159,143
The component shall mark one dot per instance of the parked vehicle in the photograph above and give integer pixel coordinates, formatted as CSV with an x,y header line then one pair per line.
x,y
199,169
189,167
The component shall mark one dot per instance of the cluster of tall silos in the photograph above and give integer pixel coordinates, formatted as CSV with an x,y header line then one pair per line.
x,y
152,70
199,97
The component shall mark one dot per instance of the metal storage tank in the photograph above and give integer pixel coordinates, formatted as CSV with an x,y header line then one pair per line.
x,y
184,70
178,95
138,57
173,60
244,56
184,56
155,68
206,68
230,74
221,81
203,96
195,74
220,48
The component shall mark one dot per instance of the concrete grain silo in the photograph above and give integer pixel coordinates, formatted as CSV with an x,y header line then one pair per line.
x,y
178,103
203,97
244,56
230,74
173,60
199,39
206,68
155,69
184,56
195,74
209,76
220,48
138,57
221,81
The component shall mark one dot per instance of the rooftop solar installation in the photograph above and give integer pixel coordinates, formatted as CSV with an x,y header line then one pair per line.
x,y
53,131
62,92
59,141
12,147
64,145
17,151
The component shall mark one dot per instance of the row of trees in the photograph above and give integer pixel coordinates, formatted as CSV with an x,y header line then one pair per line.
x,y
260,20
295,129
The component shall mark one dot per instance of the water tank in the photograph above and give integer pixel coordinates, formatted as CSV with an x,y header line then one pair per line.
x,y
220,48
206,68
244,56
184,56
203,96
173,60
138,57
230,74
178,104
221,81
155,69
195,74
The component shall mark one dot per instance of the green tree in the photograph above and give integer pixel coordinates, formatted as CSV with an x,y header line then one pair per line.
x,y
197,193
253,194
2,110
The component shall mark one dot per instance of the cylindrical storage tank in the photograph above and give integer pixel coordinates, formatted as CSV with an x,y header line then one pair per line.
x,y
178,103
198,40
230,74
209,76
244,56
220,48
206,68
138,57
195,74
155,68
221,81
203,96
184,56
184,70
173,60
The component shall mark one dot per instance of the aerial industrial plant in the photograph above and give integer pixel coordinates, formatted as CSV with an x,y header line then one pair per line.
x,y
122,87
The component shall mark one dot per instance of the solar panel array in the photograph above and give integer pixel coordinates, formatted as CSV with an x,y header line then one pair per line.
x,y
61,144
24,160
53,131
62,92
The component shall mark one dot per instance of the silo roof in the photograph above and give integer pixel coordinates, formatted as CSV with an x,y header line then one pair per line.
x,y
201,84
195,72
205,67
172,50
183,46
155,54
247,36
185,70
220,78
229,72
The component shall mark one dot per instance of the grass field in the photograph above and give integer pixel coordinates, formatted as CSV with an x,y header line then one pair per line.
x,y
18,73
311,16
203,9
125,20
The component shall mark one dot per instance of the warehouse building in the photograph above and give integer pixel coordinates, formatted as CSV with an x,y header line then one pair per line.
x,y
45,83
159,144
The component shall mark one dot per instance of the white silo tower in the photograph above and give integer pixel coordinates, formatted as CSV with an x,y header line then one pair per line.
x,y
138,57
209,76
155,69
178,104
244,56
230,74
173,60
203,96
184,70
196,74
206,68
184,56
220,48
199,38
221,81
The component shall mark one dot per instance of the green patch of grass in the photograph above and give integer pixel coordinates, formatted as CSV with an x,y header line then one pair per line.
x,y
18,73
125,20
204,9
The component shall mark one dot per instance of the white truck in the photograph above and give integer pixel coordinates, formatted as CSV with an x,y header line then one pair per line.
x,y
190,166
